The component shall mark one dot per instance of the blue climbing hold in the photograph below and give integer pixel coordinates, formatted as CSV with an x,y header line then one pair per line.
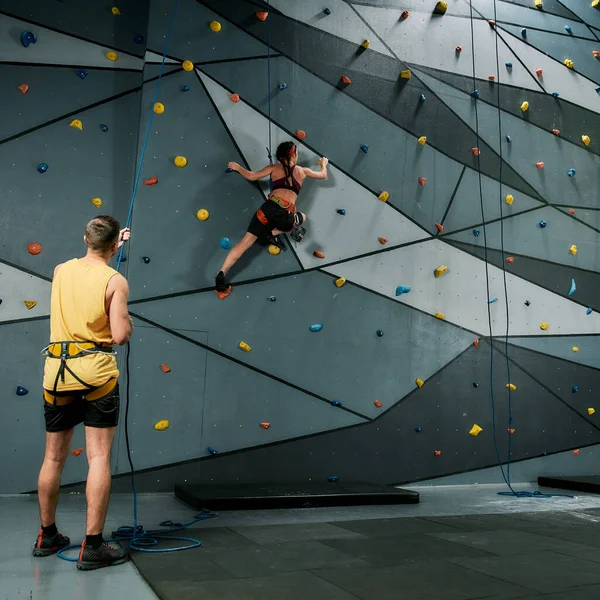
x,y
524,32
104,128
475,384
282,86
555,94
575,389
475,94
336,403
544,453
492,300
589,311
341,211
21,391
225,243
402,289
379,333
333,478
527,303
327,11
571,172
508,65
568,29
573,288
422,98
138,39
185,88
476,232
543,224
123,258
508,139
28,37
316,327
364,148
146,259
212,451
418,429
82,73
271,298
42,168
598,90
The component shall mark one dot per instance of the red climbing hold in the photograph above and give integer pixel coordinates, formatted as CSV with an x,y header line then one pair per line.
x,y
437,452
596,53
475,151
382,241
34,248
476,342
151,181
539,164
76,451
492,77
378,404
262,15
538,72
301,135
405,15
346,80
491,22
576,452
223,295
23,88
510,259
556,131
265,425
511,430
318,254
165,368
235,97
458,49
571,211
440,227
422,181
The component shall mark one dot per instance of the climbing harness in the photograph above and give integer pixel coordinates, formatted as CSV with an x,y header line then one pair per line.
x,y
285,204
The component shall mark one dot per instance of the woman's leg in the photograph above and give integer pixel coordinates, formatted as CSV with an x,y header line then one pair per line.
x,y
236,252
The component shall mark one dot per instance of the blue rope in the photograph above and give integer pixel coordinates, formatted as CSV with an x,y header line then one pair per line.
x,y
140,539
505,476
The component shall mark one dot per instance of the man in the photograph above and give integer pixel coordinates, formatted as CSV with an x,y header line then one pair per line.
x,y
88,314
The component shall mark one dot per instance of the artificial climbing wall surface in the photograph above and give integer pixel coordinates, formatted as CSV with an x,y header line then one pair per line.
x,y
502,193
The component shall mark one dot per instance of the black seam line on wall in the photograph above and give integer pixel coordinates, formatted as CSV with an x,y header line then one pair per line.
x,y
70,114
575,218
293,135
452,198
577,207
593,32
12,63
248,366
235,60
25,320
551,335
69,35
541,52
459,161
572,362
175,70
492,221
25,270
381,40
566,35
239,150
177,59
567,9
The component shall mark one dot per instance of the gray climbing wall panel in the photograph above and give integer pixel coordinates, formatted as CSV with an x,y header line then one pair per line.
x,y
588,348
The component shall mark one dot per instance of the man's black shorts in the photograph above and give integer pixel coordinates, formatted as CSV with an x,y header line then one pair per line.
x,y
277,218
101,413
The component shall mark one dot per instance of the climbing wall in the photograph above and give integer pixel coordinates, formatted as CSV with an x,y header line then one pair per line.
x,y
442,306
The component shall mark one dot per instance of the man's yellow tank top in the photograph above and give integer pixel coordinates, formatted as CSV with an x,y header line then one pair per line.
x,y
78,314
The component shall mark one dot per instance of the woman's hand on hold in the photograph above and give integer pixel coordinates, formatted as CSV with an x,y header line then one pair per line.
x,y
233,166
323,161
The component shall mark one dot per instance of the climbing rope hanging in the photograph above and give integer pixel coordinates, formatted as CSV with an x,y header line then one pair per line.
x,y
269,153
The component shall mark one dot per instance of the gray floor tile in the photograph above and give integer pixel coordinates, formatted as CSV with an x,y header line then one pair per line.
x,y
281,586
272,534
394,527
475,522
547,572
291,556
395,550
591,592
221,537
422,580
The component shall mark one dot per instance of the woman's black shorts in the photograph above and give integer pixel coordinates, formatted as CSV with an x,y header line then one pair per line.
x,y
272,216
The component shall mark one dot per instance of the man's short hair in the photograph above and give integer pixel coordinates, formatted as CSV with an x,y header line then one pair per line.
x,y
102,232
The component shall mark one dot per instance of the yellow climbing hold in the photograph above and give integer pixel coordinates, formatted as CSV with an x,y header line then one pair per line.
x,y
365,44
422,140
245,347
575,349
77,124
525,106
203,214
573,249
509,199
595,3
440,316
162,425
405,74
539,4
180,161
384,196
215,26
419,382
159,108
274,250
112,56
187,65
441,270
569,63
544,326
475,430
115,11
441,7
591,411
29,304
586,139
512,387
97,202
340,282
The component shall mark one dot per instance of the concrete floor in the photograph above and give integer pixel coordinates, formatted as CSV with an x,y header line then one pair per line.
x,y
23,577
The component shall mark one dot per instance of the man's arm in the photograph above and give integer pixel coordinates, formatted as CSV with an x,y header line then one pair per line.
x,y
121,325
322,174
250,175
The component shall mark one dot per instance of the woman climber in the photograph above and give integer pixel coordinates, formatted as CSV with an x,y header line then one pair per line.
x,y
278,214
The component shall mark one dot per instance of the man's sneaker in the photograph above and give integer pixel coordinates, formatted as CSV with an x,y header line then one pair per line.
x,y
105,556
47,545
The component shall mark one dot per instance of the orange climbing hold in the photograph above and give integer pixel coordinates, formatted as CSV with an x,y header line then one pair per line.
x,y
556,131
510,259
422,181
383,241
318,254
346,80
405,15
596,53
511,430
378,404
440,227
491,22
492,77
475,151
34,248
571,211
437,452
235,97
165,368
476,342
152,181
23,88
77,451
539,164
458,49
538,72
576,452
262,15
223,295
301,135
265,425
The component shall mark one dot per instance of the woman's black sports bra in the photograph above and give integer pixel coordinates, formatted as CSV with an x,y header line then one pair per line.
x,y
282,184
